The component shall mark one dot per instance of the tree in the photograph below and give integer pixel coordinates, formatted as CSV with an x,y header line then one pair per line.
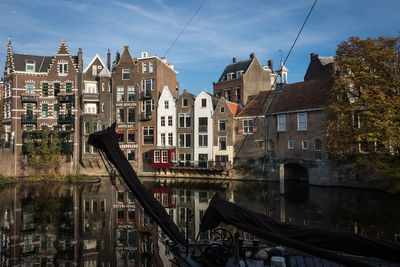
x,y
364,107
44,152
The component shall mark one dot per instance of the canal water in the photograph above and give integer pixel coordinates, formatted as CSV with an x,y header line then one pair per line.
x,y
101,224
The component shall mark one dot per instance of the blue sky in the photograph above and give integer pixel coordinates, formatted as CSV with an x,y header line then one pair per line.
x,y
221,30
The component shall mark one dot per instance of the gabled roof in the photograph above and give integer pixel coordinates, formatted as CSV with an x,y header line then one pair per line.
x,y
93,60
326,60
235,108
42,63
302,95
253,107
237,66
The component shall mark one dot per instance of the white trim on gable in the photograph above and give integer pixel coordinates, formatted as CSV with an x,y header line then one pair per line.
x,y
91,63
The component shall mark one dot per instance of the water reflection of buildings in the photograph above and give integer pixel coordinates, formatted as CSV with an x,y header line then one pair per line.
x,y
75,225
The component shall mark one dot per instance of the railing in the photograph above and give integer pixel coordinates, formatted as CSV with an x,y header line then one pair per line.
x,y
202,128
28,119
66,119
214,165
66,98
29,98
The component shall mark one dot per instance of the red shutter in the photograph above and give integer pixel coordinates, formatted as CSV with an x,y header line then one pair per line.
x,y
240,130
255,129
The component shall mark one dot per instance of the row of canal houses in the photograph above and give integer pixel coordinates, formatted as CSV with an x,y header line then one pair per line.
x,y
253,112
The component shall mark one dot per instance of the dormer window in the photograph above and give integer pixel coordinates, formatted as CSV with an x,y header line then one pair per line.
x,y
30,66
229,76
63,68
239,74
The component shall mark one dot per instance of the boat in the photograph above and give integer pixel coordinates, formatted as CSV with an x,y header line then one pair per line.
x,y
301,243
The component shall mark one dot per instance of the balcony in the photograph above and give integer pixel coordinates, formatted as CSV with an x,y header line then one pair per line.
x,y
202,128
28,119
67,147
145,95
66,119
29,98
66,98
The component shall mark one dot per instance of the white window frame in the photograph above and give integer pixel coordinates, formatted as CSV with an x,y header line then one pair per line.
x,y
291,144
219,143
30,65
248,129
304,144
301,121
151,67
170,139
270,145
120,97
30,88
166,104
126,71
281,123
145,67
315,147
222,110
219,125
62,68
164,156
183,102
157,156
94,70
131,91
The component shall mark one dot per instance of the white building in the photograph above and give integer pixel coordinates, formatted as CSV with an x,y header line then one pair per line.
x,y
166,119
204,107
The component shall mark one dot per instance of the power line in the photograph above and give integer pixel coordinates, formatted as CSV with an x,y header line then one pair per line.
x,y
270,96
184,28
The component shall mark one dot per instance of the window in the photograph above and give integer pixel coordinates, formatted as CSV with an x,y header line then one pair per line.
x,y
238,74
270,145
94,126
87,127
281,123
163,139
148,84
203,122
304,144
203,103
302,121
120,115
131,93
126,73
248,126
103,206
162,121
120,136
144,67
222,109
56,110
229,76
56,88
164,156
290,144
170,139
131,155
203,197
94,206
151,67
91,108
148,135
238,95
68,87
120,219
30,67
87,147
184,120
102,87
184,140
318,145
166,104
203,140
120,93
102,107
120,196
185,102
169,120
222,125
44,110
157,156
30,88
131,217
45,89
229,95
94,70
222,142
131,136
62,68
182,214
164,199
131,115
87,206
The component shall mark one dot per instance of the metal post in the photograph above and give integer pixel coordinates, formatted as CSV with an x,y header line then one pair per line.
x,y
282,179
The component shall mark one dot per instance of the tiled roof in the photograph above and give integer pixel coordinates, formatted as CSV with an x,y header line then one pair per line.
x,y
41,62
234,67
326,60
253,107
235,108
302,95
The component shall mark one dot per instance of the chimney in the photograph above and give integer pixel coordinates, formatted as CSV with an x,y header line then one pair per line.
x,y
80,60
312,55
108,59
252,55
271,65
234,60
117,56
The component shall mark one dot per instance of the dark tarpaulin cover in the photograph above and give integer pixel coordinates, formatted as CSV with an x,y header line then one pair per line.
x,y
313,240
107,141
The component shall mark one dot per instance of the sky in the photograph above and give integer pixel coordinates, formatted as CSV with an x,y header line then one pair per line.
x,y
221,30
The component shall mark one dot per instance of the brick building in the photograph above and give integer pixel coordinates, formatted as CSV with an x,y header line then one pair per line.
x,y
185,126
137,84
242,79
41,92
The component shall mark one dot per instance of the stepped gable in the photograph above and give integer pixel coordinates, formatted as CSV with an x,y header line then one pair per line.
x,y
237,66
302,95
63,49
253,107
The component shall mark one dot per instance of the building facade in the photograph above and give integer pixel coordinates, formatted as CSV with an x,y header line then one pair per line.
x,y
185,127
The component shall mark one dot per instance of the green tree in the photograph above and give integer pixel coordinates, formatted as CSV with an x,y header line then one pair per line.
x,y
44,152
364,107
